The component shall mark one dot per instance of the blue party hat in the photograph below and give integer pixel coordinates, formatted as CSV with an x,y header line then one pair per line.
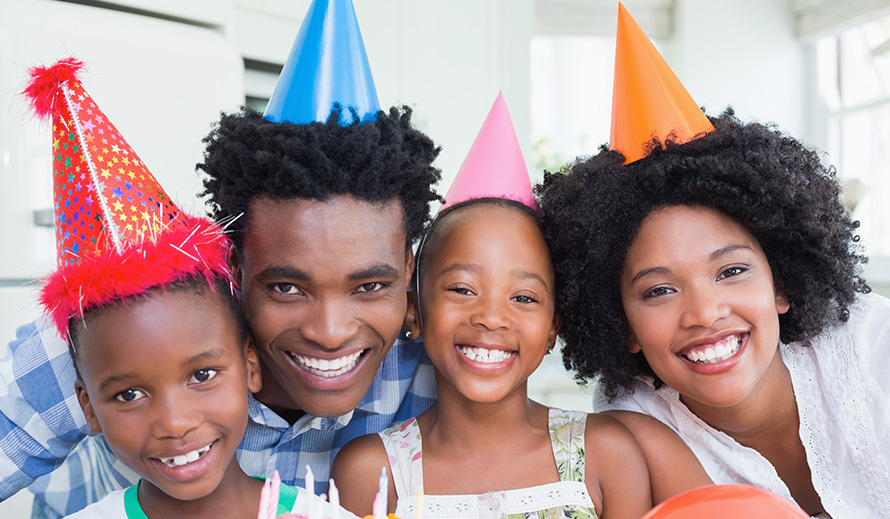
x,y
327,64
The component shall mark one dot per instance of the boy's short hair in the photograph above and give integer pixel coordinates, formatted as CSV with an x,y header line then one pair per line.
x,y
765,180
374,161
197,284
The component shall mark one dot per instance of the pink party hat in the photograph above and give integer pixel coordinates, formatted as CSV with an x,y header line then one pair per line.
x,y
494,167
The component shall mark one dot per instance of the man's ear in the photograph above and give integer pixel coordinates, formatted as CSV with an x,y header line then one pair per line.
x,y
254,376
83,398
235,266
412,316
409,266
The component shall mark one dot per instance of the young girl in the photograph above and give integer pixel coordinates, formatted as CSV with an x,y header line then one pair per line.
x,y
144,295
486,312
715,285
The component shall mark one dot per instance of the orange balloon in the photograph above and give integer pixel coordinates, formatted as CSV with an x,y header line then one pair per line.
x,y
727,502
648,99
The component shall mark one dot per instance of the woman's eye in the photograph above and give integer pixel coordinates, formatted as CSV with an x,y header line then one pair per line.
x,y
130,395
204,375
731,272
657,292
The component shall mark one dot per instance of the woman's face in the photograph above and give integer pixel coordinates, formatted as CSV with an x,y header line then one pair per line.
x,y
701,305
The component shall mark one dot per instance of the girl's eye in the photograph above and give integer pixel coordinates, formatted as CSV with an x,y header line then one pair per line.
x,y
525,299
369,288
204,375
731,272
464,291
130,395
657,292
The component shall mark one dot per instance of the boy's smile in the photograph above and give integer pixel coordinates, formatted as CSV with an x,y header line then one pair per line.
x,y
324,291
699,298
165,378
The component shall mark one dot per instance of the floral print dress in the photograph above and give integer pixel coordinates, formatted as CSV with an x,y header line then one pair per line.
x,y
566,498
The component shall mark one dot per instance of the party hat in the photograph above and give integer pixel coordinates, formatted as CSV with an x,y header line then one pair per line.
x,y
494,167
117,231
327,65
647,98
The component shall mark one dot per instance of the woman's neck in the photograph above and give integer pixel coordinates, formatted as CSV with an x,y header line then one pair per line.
x,y
237,496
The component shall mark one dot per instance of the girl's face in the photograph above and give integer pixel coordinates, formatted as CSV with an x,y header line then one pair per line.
x,y
487,302
700,302
166,380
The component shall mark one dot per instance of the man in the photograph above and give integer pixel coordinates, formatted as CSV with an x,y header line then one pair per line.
x,y
323,216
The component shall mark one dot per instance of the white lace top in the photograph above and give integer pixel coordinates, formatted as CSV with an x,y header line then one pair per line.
x,y
842,387
567,498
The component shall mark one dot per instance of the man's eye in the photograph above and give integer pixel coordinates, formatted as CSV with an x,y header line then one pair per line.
x,y
366,288
204,375
130,395
285,288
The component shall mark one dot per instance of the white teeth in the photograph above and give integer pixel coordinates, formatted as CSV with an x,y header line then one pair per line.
x,y
717,352
328,367
184,459
484,355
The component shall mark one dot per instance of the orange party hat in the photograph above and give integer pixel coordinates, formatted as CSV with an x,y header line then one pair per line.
x,y
648,99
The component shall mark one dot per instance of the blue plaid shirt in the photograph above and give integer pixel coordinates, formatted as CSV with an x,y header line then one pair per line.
x,y
44,438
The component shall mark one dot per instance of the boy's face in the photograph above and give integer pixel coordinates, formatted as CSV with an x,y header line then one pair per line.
x,y
487,301
323,287
166,380
700,302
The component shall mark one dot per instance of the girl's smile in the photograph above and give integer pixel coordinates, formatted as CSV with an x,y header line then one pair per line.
x,y
701,306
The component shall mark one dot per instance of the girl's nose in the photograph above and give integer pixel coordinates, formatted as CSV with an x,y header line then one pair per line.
x,y
490,313
174,417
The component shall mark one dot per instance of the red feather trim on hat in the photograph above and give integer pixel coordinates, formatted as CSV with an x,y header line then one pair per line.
x,y
193,246
45,84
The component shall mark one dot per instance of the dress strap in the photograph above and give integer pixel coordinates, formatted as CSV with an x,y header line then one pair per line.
x,y
404,450
567,439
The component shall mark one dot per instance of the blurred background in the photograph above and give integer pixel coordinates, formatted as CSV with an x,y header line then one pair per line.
x,y
162,70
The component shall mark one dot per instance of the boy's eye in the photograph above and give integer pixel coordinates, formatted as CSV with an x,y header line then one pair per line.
x,y
130,395
731,272
367,288
204,375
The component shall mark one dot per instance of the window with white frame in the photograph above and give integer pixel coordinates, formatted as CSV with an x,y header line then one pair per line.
x,y
853,70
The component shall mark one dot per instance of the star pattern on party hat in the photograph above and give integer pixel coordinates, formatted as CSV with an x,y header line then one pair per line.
x,y
104,196
648,100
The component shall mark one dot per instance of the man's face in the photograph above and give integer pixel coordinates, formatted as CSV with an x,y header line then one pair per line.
x,y
323,286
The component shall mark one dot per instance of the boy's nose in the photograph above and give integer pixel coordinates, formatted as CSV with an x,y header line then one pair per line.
x,y
330,324
704,307
174,416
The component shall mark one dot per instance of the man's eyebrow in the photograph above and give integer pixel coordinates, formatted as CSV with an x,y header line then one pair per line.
x,y
381,270
284,272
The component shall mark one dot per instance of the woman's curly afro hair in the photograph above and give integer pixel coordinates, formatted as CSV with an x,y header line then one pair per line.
x,y
374,161
765,180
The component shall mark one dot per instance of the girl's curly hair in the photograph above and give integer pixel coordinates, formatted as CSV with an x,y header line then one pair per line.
x,y
765,180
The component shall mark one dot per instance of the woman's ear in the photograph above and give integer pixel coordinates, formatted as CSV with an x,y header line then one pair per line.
x,y
83,398
782,304
412,317
633,345
254,376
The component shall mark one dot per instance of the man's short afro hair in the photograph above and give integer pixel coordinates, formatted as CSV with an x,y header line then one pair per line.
x,y
374,161
765,180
